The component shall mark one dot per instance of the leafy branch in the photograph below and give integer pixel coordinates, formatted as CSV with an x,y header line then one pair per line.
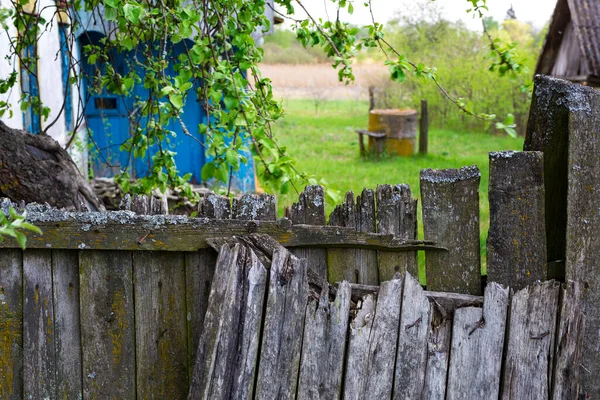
x,y
14,225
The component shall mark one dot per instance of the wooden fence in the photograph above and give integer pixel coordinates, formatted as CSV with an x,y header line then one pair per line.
x,y
113,305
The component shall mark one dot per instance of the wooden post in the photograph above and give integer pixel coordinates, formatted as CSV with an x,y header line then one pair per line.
x,y
366,260
371,97
342,262
516,243
423,128
451,217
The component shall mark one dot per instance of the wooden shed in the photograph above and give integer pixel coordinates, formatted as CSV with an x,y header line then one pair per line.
x,y
572,47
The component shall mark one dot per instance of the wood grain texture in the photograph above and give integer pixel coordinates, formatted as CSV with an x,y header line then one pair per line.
x,y
366,222
450,201
214,206
107,324
529,352
310,210
411,356
342,262
284,323
438,355
67,332
11,324
396,215
160,327
477,345
255,207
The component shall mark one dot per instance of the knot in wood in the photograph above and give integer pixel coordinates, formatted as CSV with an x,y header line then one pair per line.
x,y
252,226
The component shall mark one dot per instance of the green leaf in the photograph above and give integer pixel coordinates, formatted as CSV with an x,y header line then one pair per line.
x,y
176,100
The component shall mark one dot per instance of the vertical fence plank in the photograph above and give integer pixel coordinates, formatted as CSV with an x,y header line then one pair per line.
x,y
450,199
65,276
255,207
11,324
529,353
160,329
325,331
516,244
438,355
411,359
583,222
366,260
107,324
283,327
310,210
396,215
566,378
342,262
214,206
477,346
39,357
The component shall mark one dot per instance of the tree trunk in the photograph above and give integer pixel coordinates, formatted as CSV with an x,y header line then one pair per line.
x,y
35,168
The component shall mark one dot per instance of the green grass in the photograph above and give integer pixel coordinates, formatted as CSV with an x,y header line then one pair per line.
x,y
324,144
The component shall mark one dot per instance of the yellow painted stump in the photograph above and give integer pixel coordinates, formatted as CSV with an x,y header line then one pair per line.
x,y
399,127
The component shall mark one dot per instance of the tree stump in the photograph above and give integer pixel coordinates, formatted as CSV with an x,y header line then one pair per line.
x,y
400,128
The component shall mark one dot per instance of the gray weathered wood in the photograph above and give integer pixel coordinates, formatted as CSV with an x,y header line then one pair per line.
x,y
438,355
310,210
11,324
516,243
199,271
140,204
411,358
39,355
583,221
325,330
477,344
218,342
160,327
255,207
342,262
255,287
396,215
358,347
283,327
569,344
107,324
65,282
214,206
528,362
450,201
366,260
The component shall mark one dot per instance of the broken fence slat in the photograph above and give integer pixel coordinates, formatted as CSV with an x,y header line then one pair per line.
x,y
438,355
342,262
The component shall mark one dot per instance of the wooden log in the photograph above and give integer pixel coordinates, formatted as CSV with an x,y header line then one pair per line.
x,y
11,324
477,345
583,221
39,353
255,207
450,201
65,283
160,327
310,210
342,262
366,221
569,344
411,357
325,330
255,287
516,243
396,215
218,342
438,355
423,128
107,324
530,349
284,323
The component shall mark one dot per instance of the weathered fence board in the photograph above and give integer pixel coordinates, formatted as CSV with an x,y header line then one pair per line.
x,y
107,324
516,243
255,207
284,323
213,206
477,344
411,359
39,353
450,201
342,262
366,221
438,355
65,282
11,324
160,328
310,210
396,215
529,351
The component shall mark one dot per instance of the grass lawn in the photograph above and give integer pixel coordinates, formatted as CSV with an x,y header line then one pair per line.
x,y
324,144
